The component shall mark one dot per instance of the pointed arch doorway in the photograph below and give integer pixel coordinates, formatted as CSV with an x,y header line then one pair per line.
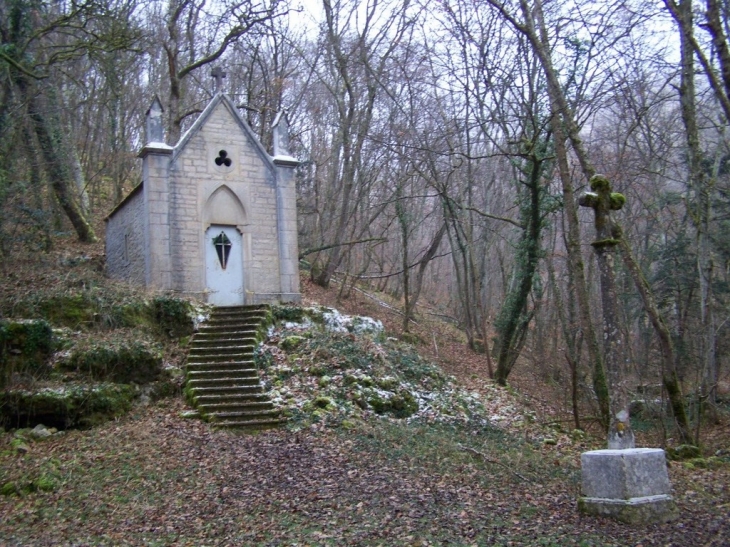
x,y
224,265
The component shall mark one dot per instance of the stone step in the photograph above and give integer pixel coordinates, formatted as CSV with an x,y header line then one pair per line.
x,y
222,310
250,316
249,424
223,381
229,334
231,324
244,364
227,339
246,375
220,358
221,374
240,347
242,415
208,399
242,407
228,389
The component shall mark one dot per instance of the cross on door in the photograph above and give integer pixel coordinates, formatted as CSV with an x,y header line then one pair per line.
x,y
222,248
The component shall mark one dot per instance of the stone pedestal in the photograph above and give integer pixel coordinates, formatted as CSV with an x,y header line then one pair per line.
x,y
629,485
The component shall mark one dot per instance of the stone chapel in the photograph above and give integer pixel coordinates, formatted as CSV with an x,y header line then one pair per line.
x,y
214,216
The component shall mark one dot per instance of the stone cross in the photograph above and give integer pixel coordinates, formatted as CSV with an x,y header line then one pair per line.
x,y
608,235
218,75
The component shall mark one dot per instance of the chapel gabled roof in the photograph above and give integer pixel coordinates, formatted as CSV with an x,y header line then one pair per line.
x,y
221,98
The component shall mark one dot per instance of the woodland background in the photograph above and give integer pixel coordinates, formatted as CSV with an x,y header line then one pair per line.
x,y
444,147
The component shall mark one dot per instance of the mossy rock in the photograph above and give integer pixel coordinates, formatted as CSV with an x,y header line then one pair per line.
x,y
317,370
70,310
319,404
92,308
388,383
403,404
25,347
290,343
399,405
294,314
122,362
66,406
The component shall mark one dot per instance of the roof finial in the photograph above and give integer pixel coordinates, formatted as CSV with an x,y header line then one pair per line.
x,y
218,75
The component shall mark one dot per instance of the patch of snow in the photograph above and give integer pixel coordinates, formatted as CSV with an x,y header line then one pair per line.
x,y
337,322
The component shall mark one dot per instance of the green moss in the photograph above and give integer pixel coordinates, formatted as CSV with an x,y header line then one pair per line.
x,y
288,313
25,346
122,362
173,316
319,404
684,452
400,405
290,343
317,370
9,489
599,183
388,383
46,483
69,310
69,406
617,201
403,404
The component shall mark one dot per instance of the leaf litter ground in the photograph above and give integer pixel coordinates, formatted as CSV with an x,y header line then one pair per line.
x,y
153,478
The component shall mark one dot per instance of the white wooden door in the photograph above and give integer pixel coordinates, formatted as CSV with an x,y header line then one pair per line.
x,y
224,265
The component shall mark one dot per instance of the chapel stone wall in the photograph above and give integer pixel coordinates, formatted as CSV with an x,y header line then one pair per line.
x,y
125,257
195,177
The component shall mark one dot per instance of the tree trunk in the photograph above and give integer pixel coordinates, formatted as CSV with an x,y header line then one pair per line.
x,y
56,164
670,378
513,318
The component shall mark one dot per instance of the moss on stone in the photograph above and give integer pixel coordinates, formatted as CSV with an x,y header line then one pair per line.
x,y
290,343
67,406
288,313
400,405
25,346
618,200
121,362
600,183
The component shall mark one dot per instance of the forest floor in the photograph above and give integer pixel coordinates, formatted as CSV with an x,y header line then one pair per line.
x,y
154,478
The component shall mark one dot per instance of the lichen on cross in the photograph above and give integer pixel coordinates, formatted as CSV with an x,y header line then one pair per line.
x,y
608,236
603,201
218,74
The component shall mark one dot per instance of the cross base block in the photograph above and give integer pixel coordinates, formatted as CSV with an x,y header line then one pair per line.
x,y
630,485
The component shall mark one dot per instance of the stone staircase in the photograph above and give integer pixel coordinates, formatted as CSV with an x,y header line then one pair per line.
x,y
222,380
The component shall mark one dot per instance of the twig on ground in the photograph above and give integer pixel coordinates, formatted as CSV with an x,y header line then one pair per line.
x,y
490,460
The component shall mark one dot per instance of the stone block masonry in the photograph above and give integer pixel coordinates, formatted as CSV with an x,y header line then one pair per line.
x,y
125,247
630,485
217,175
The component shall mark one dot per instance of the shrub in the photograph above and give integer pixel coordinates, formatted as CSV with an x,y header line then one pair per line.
x,y
25,346
173,316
